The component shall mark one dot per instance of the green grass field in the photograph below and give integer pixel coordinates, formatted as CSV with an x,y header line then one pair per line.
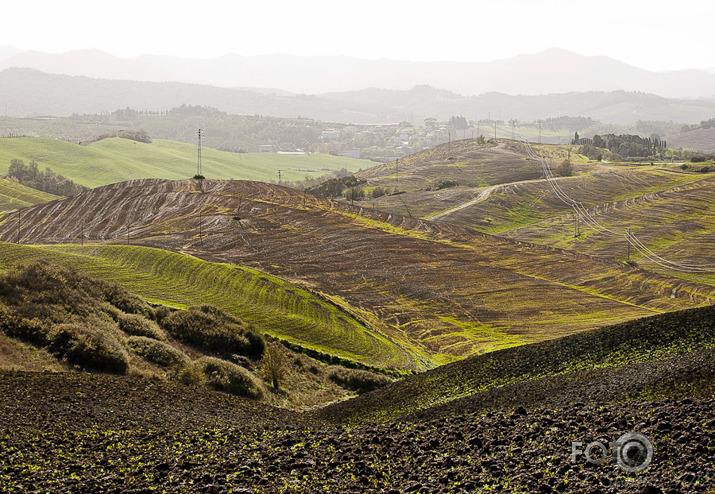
x,y
116,160
272,305
14,196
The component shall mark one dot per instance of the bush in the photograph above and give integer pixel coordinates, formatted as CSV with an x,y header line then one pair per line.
x,y
378,192
30,330
137,325
124,300
223,376
87,348
565,169
360,381
160,313
157,352
209,328
273,365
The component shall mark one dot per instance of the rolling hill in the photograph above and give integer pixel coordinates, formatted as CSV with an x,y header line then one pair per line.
x,y
272,305
116,160
438,291
15,196
498,378
499,191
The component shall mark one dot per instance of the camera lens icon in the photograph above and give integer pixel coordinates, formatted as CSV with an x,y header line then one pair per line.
x,y
633,452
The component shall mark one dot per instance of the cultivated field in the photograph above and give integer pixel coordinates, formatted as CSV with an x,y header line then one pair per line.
x,y
437,291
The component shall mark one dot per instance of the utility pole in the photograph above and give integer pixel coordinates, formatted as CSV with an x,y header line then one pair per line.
x,y
628,237
199,166
279,177
578,226
81,238
495,129
19,220
397,175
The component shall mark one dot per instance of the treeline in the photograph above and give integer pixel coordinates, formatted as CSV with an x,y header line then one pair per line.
x,y
140,135
46,181
620,147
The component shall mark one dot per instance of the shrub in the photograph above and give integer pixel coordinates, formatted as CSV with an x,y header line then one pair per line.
x,y
209,328
565,169
360,381
30,330
224,376
157,352
87,348
273,365
124,300
137,325
160,313
378,192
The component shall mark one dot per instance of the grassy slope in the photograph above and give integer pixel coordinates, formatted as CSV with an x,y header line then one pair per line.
x,y
117,160
271,304
15,196
442,292
644,340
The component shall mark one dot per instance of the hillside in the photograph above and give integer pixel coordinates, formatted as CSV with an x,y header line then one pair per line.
x,y
497,188
576,362
16,196
274,306
438,291
116,160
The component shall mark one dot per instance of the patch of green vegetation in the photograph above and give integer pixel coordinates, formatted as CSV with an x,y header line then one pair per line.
x,y
267,303
117,160
15,196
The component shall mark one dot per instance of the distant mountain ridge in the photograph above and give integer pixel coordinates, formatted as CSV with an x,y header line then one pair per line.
x,y
551,71
30,93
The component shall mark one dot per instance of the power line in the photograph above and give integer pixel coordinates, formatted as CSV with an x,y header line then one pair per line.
x,y
583,213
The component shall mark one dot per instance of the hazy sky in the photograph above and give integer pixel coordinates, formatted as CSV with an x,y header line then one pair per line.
x,y
653,34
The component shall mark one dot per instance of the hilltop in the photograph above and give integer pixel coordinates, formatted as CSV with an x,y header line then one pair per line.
x,y
438,291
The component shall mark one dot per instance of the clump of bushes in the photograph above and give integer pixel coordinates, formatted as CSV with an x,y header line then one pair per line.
x,y
208,328
357,380
223,376
443,184
87,348
137,325
157,352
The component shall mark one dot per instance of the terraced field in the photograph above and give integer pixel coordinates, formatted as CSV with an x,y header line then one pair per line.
x,y
116,160
270,304
439,291
15,196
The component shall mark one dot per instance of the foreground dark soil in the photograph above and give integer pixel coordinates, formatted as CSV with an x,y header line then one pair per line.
x,y
99,433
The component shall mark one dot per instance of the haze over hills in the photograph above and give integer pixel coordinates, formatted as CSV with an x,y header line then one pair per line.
x,y
30,93
551,71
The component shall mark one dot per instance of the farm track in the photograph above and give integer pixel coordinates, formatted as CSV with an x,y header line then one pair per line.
x,y
437,290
